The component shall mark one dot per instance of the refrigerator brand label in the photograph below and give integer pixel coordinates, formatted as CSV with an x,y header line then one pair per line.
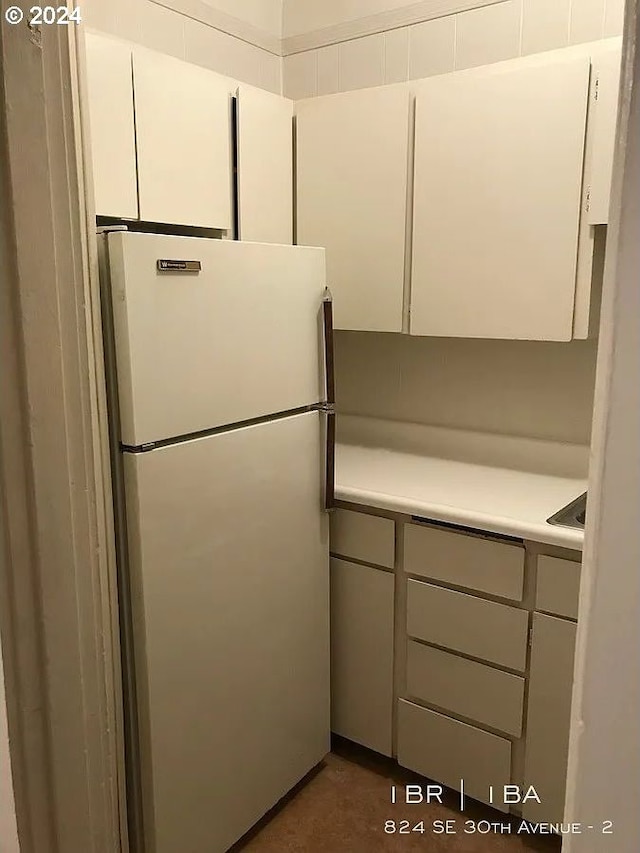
x,y
165,265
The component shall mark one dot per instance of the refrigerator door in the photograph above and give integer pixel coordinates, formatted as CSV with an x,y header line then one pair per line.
x,y
230,603
197,349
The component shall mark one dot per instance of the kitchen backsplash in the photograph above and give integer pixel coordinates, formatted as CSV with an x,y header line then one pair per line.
x,y
526,388
491,33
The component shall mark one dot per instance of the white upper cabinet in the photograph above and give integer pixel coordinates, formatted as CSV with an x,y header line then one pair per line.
x,y
110,97
497,198
183,129
603,113
352,162
265,166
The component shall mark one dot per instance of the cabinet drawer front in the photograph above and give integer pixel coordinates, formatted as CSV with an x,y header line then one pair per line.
x,y
558,586
482,564
473,626
467,688
362,654
363,537
448,751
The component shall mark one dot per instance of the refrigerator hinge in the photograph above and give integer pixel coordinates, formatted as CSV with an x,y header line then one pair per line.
x,y
108,229
327,295
326,408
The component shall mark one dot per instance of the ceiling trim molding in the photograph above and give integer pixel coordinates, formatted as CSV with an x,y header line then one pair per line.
x,y
392,19
197,10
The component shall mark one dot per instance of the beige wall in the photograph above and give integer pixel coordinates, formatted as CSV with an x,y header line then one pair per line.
x,y
501,30
543,390
195,39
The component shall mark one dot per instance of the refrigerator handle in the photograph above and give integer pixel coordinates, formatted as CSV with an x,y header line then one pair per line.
x,y
330,404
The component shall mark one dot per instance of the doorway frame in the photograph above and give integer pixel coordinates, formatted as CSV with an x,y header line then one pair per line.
x,y
58,602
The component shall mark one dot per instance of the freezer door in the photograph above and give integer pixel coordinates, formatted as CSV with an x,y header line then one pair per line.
x,y
230,599
197,349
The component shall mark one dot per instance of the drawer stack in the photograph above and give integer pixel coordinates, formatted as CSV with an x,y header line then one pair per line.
x,y
475,692
466,655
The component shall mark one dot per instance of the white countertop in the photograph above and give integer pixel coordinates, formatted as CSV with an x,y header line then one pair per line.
x,y
501,484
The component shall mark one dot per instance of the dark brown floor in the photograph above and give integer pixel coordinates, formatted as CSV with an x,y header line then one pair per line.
x,y
343,805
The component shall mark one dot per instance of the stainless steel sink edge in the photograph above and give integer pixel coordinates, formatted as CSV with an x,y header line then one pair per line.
x,y
572,515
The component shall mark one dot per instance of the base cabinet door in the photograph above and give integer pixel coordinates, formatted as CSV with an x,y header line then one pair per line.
x,y
362,654
548,717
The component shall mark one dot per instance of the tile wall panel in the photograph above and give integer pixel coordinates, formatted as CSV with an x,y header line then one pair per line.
x,y
545,25
432,47
396,55
300,75
328,70
587,19
489,34
613,17
362,62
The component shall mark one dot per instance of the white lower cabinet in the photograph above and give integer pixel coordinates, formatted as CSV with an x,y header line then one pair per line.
x,y
477,677
362,602
453,753
548,716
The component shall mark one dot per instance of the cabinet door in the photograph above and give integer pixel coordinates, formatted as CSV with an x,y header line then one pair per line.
x,y
265,166
548,716
498,179
352,151
183,129
602,125
362,654
113,148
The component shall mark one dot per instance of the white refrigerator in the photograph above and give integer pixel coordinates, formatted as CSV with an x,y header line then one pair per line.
x,y
218,406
